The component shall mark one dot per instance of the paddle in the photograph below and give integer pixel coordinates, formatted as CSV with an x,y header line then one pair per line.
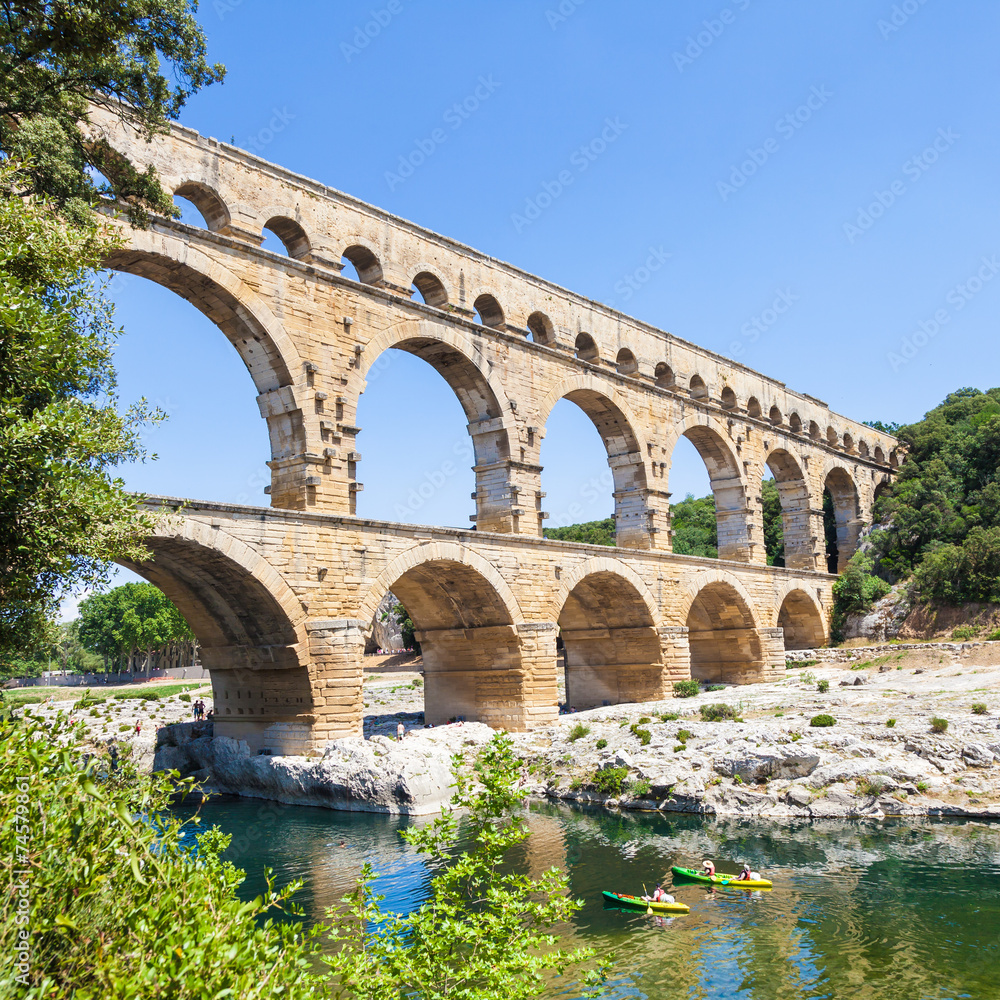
x,y
645,892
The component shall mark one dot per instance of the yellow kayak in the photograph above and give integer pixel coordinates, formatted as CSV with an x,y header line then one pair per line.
x,y
719,879
638,903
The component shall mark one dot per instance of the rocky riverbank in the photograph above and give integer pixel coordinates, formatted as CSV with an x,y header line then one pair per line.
x,y
883,756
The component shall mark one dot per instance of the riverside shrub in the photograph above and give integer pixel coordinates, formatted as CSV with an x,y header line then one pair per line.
x,y
121,908
686,689
822,721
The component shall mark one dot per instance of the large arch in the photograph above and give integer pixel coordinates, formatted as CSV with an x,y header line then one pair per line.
x,y
616,425
453,354
466,622
723,635
249,624
725,474
267,351
801,621
608,629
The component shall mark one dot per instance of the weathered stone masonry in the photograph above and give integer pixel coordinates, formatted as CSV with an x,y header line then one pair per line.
x,y
279,598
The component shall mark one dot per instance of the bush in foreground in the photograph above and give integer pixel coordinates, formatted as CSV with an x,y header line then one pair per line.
x,y
719,712
686,689
939,725
117,907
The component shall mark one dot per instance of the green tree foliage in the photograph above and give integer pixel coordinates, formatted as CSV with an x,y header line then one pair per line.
x,y
774,530
62,516
943,510
56,58
693,524
119,907
591,532
135,617
406,627
484,931
854,592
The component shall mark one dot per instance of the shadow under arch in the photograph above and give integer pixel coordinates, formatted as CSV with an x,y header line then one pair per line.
x,y
454,356
725,474
248,324
607,625
466,619
801,621
723,636
249,625
796,509
616,425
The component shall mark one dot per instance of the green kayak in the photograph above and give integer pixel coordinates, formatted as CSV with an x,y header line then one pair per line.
x,y
719,879
638,903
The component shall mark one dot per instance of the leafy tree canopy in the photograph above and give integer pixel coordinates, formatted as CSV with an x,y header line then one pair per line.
x,y
62,515
693,524
591,532
946,497
58,57
129,618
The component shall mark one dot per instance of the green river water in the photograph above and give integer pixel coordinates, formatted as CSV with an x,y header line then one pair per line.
x,y
866,911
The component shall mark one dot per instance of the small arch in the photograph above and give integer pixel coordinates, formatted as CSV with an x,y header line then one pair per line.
x,y
698,389
848,442
365,262
586,349
490,313
725,474
893,459
612,652
881,487
753,407
801,621
664,375
775,416
542,331
814,430
208,201
724,643
832,438
863,448
795,423
728,399
879,455
626,363
291,234
793,494
431,289
844,505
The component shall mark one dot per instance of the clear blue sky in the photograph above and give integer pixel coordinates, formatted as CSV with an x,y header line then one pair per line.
x,y
839,102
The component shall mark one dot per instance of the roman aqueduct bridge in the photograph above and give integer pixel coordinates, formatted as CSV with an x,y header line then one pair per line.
x,y
280,597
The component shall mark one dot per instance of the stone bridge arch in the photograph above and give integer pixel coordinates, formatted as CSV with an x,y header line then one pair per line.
x,y
454,355
250,627
269,354
638,515
469,625
799,508
801,618
607,620
733,515
728,643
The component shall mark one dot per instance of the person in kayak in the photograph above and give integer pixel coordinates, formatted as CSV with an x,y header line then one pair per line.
x,y
709,867
660,895
748,876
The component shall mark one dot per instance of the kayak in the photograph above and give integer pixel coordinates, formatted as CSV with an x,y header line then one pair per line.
x,y
638,903
718,879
